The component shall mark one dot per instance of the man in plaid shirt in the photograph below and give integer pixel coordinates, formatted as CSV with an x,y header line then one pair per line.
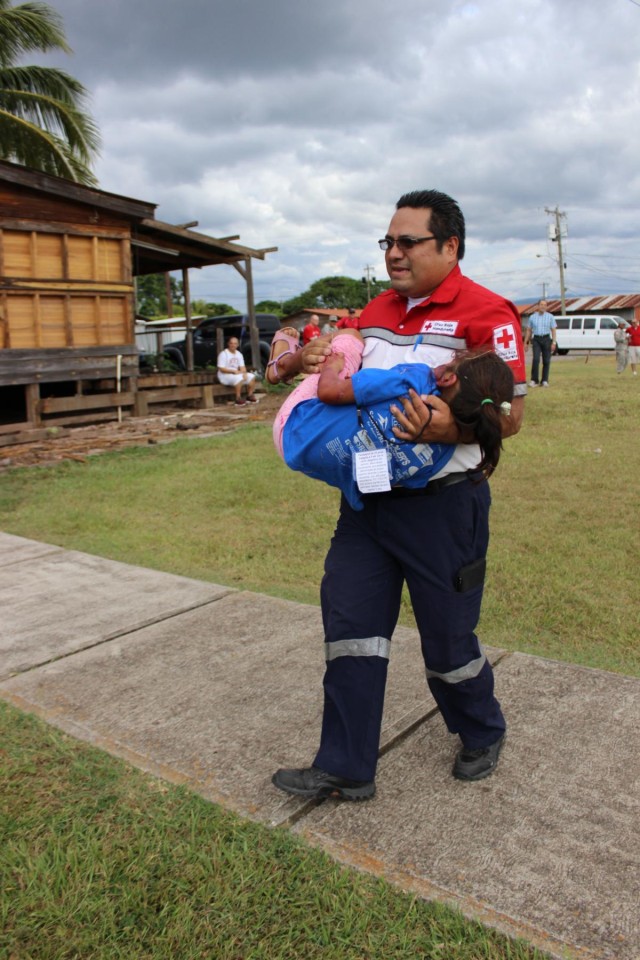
x,y
541,328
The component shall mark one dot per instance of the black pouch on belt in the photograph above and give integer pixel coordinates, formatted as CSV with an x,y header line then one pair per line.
x,y
471,576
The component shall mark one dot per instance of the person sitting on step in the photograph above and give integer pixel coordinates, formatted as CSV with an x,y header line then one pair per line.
x,y
233,373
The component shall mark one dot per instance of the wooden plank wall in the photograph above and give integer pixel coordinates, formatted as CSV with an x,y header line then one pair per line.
x,y
56,366
64,285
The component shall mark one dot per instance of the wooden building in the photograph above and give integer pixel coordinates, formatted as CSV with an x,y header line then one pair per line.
x,y
68,258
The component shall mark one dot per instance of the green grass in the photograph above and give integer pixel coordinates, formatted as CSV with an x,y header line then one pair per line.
x,y
211,509
99,860
564,537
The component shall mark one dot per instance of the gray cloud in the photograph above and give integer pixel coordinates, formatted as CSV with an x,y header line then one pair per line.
x,y
298,124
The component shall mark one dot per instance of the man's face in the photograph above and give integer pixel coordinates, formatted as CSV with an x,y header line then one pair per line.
x,y
315,319
234,343
416,272
543,306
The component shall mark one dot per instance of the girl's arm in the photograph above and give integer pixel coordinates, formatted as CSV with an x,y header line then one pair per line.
x,y
331,389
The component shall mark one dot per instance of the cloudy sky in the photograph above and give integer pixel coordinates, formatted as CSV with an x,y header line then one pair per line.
x,y
298,124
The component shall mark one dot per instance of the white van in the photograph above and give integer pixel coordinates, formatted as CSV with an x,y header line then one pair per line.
x,y
586,332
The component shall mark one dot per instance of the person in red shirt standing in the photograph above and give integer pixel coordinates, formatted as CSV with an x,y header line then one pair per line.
x,y
349,321
433,538
633,336
312,329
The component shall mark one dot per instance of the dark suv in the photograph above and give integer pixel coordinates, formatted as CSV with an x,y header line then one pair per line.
x,y
205,343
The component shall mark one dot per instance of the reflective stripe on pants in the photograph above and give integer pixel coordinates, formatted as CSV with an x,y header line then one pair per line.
x,y
424,541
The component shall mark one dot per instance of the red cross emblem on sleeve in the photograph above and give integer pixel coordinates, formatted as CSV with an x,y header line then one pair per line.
x,y
505,343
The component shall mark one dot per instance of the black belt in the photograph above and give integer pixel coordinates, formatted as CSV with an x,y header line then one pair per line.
x,y
432,488
541,336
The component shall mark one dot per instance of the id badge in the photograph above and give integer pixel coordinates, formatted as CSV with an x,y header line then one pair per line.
x,y
371,469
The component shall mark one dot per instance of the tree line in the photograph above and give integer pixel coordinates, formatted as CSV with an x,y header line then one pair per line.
x,y
329,293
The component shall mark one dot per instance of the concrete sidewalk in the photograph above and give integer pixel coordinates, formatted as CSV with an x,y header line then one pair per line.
x,y
216,688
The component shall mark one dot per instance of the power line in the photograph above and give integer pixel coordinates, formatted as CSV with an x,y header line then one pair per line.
x,y
588,268
615,256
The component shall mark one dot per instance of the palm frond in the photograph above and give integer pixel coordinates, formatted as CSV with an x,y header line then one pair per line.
x,y
27,143
50,80
43,120
59,116
29,26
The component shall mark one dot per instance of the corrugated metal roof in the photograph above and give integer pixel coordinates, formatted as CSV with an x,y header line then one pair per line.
x,y
608,304
630,300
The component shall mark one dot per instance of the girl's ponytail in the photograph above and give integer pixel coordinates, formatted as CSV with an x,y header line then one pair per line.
x,y
484,398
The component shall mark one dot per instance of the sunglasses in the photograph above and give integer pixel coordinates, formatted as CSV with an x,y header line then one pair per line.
x,y
402,243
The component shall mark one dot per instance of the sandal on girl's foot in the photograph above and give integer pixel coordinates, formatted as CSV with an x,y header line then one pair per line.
x,y
289,341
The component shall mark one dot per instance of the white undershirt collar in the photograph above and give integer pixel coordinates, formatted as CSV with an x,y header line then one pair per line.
x,y
414,301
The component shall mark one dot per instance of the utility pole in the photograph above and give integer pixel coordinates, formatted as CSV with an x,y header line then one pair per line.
x,y
367,279
558,239
544,289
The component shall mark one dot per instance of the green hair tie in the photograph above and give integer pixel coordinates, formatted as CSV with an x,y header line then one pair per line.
x,y
488,400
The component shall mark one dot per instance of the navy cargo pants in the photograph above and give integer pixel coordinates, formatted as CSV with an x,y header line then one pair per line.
x,y
433,543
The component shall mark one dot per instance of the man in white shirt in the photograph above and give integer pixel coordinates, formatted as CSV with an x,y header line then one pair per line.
x,y
233,373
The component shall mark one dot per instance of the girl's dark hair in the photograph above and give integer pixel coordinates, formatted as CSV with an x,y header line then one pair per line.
x,y
483,376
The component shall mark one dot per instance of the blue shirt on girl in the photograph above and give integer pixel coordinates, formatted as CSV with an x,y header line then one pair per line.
x,y
320,439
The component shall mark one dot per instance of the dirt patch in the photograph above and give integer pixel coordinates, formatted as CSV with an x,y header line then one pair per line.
x,y
78,443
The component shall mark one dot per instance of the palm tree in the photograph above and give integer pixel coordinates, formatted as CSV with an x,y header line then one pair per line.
x,y
42,119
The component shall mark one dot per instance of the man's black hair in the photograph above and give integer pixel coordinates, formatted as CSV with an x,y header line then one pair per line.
x,y
446,219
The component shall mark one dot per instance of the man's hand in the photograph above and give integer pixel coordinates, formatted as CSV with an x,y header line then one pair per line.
x,y
429,420
425,419
315,353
